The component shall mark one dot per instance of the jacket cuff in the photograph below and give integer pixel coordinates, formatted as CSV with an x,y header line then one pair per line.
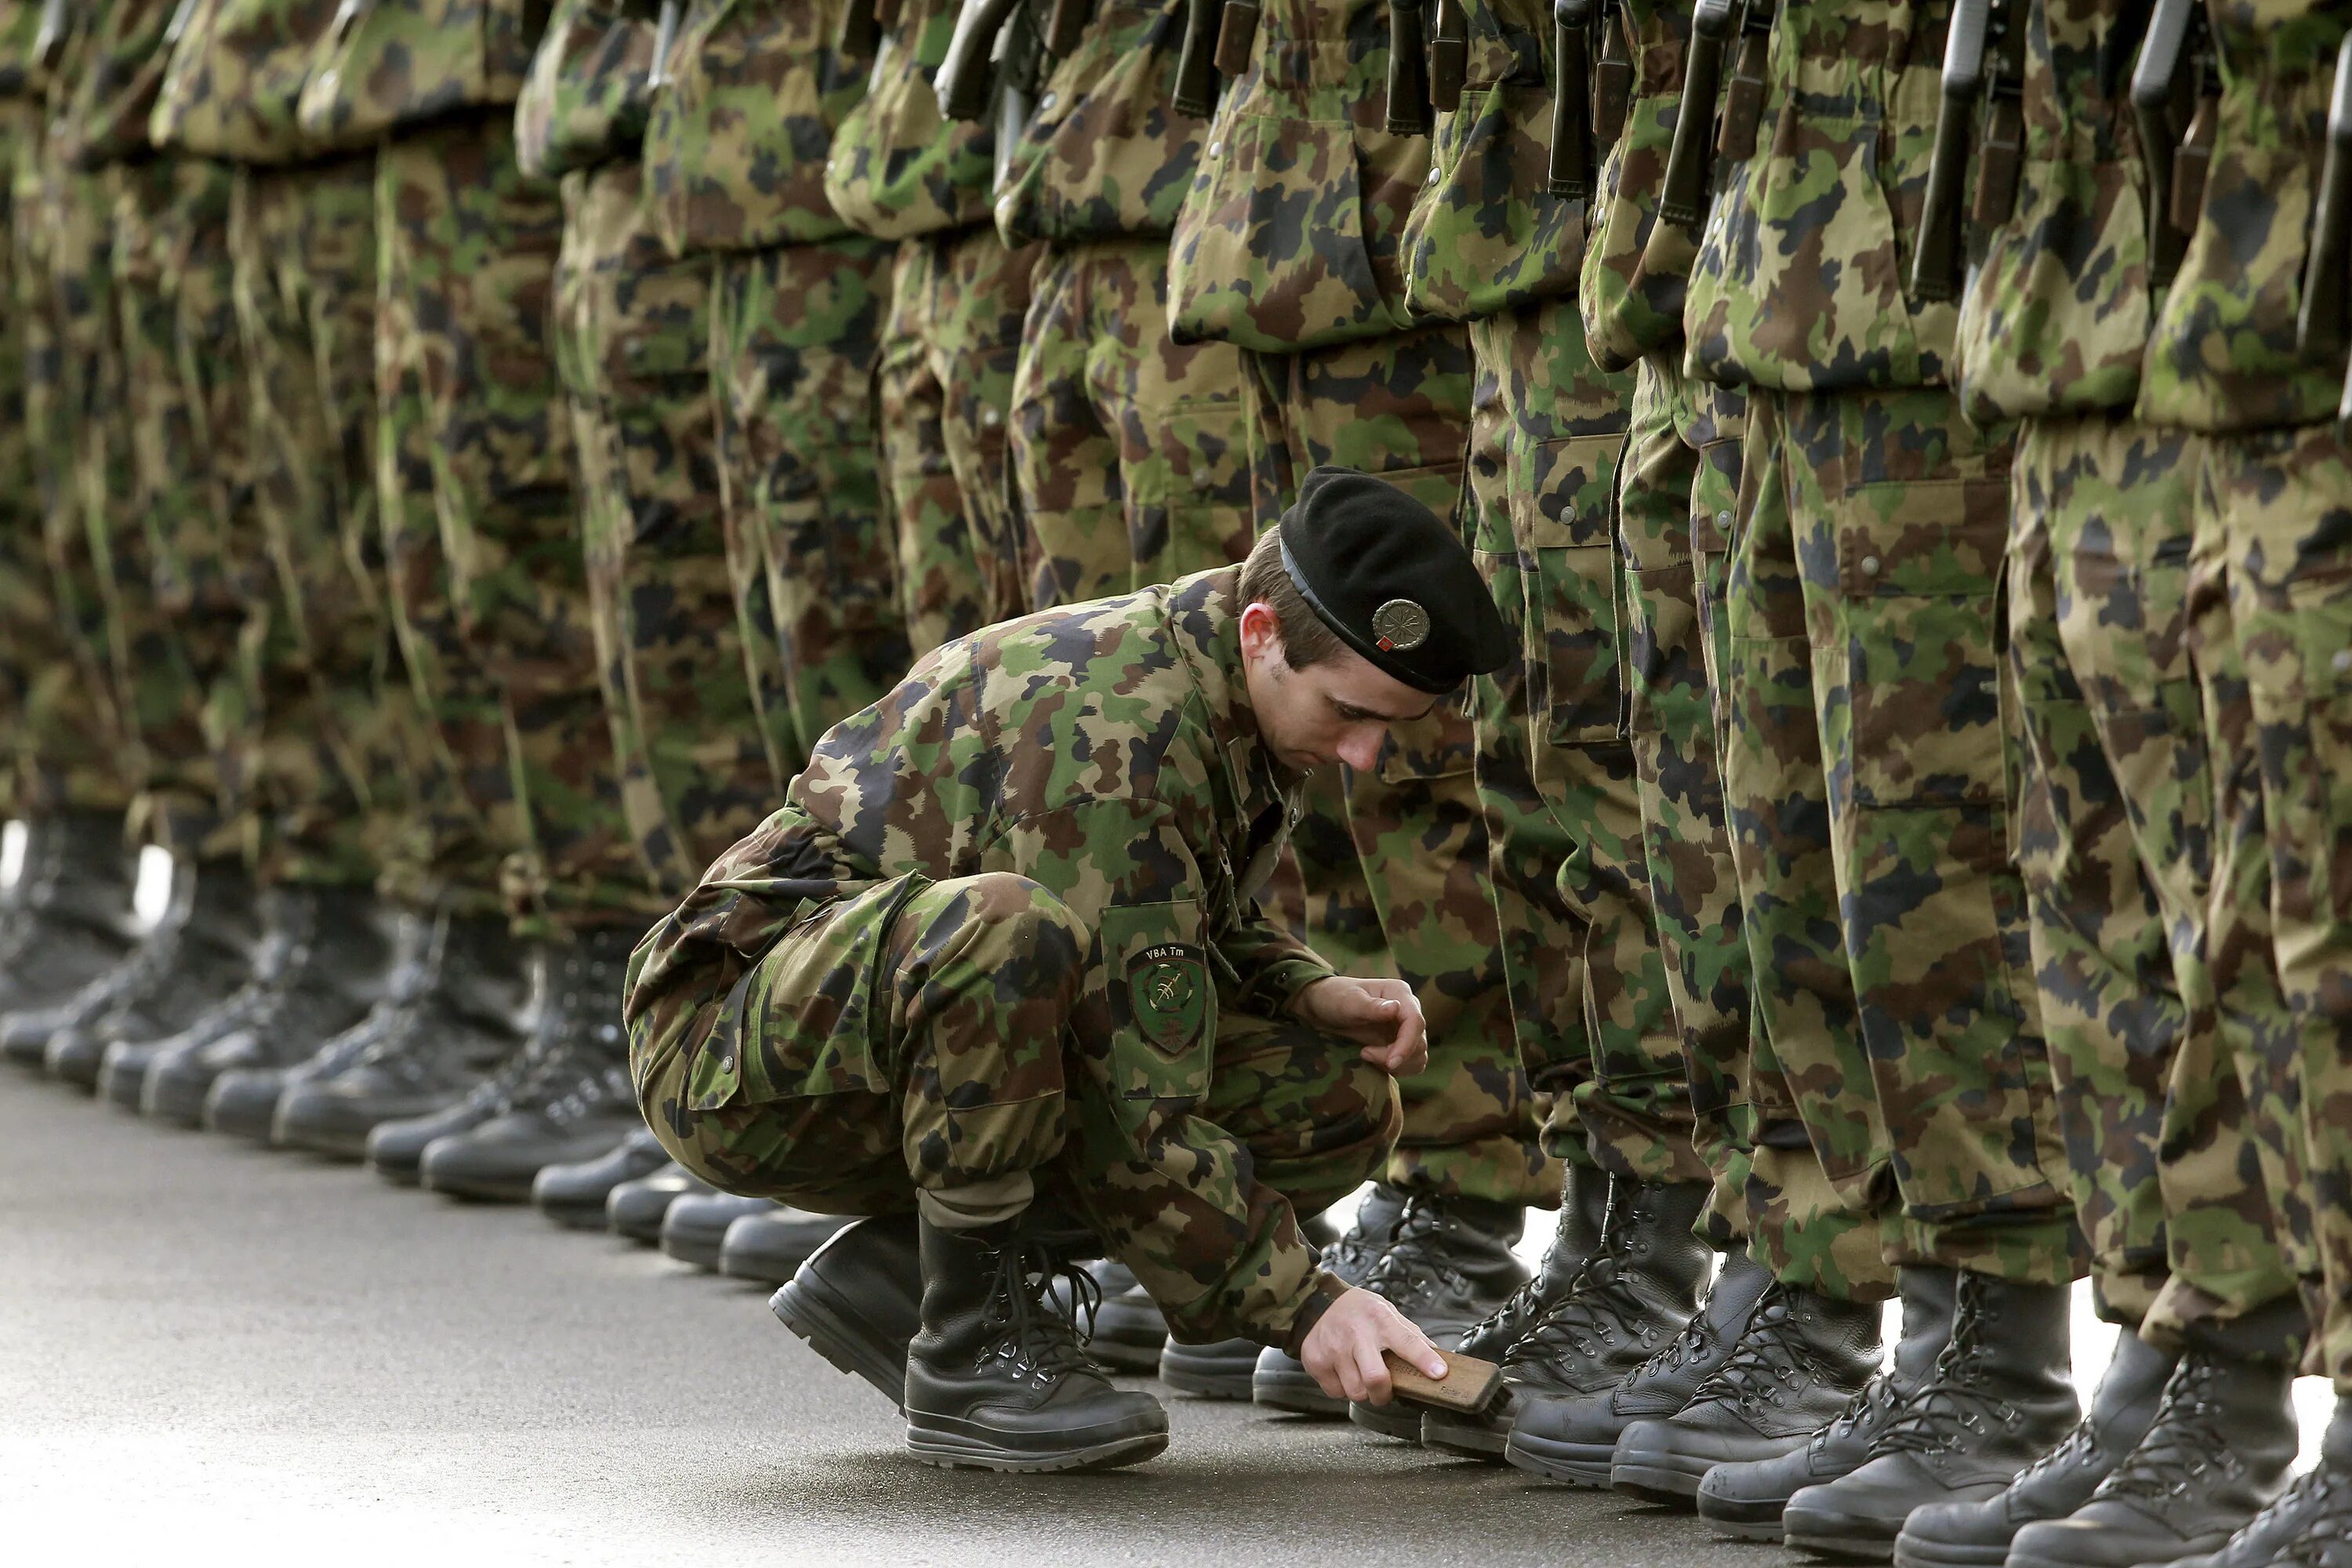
x,y
1327,1288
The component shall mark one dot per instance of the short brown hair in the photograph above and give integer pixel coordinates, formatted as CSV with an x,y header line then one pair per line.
x,y
1306,640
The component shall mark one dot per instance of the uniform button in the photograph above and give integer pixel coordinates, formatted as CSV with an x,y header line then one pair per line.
x,y
1870,565
1046,103
727,1063
1723,518
1432,176
2344,661
990,418
1215,148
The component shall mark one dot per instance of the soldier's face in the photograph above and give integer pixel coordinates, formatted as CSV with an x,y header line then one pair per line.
x,y
1337,711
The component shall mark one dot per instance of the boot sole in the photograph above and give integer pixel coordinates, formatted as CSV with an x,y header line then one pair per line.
x,y
1827,1535
1211,1380
1394,1419
1909,1554
1584,1465
822,1321
176,1102
1463,1439
481,1189
576,1217
1296,1395
959,1451
701,1252
1655,1477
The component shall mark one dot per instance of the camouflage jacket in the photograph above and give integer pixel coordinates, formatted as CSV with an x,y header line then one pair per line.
x,y
2056,318
1484,233
235,83
1105,155
1106,751
20,24
388,65
736,148
2222,355
589,90
1291,234
898,169
120,67
1802,277
1635,268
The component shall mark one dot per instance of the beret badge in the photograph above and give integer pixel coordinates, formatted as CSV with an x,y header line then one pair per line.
x,y
1400,626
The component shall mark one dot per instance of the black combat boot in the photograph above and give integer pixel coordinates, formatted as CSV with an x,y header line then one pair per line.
x,y
1449,1266
2320,1532
323,959
72,918
1227,1369
1963,1535
2001,1396
997,1379
1575,1440
1745,1497
205,996
326,1014
26,1033
635,1209
198,953
1128,1332
1281,1381
573,1196
695,1230
859,1300
1630,1302
2219,1452
771,1246
1800,1362
470,1016
571,1100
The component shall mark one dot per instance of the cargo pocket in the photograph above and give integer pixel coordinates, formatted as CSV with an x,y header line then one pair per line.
x,y
1561,504
1163,1008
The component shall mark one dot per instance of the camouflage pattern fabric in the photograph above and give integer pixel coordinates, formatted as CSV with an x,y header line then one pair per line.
x,y
634,327
589,90
951,347
897,169
399,66
1400,408
235,79
795,335
334,737
1061,946
1132,454
482,544
22,591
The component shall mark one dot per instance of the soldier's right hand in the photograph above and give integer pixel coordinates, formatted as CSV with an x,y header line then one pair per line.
x,y
1343,1350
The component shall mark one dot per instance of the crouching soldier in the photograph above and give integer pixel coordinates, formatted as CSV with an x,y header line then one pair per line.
x,y
995,976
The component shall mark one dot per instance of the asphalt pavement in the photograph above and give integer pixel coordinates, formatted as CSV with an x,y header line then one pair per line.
x,y
210,1351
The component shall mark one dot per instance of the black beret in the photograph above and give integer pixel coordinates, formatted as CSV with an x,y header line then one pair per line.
x,y
1384,572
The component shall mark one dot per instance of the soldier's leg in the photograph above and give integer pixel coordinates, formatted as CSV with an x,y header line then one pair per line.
x,y
981,305
1065,452
20,126
939,564
795,336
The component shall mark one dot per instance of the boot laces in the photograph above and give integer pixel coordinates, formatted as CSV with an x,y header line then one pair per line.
x,y
1599,1304
2326,1491
1346,1256
1412,1267
1035,1338
2184,1445
1770,1357
1952,1407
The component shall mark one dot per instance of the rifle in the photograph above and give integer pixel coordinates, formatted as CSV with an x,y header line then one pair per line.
x,y
861,30
1936,253
1408,106
2162,93
2319,326
1612,77
49,38
964,78
1570,174
664,35
1065,25
1751,79
1021,70
1690,162
2001,155
1196,64
1237,36
1449,55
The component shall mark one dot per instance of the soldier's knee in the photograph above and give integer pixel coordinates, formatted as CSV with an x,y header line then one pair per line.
x,y
1023,919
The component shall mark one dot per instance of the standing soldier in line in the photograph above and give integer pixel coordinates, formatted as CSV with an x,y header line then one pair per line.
x,y
1288,246
1794,1305
2248,347
2177,1146
145,484
901,170
1866,573
735,157
71,905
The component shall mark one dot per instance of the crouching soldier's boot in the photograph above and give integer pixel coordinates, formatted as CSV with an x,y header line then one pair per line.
x,y
997,1379
2002,1395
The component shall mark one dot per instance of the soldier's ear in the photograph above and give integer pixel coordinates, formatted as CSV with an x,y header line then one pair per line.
x,y
1262,634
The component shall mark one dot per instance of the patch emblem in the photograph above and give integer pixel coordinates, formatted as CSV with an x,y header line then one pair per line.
x,y
1167,993
1400,626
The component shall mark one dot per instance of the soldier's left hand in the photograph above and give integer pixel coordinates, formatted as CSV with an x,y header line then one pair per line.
x,y
1384,1015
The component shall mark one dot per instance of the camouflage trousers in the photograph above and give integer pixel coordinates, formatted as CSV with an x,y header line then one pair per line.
x,y
1770,1193
1866,791
481,533
949,349
69,747
634,350
920,1044
333,731
795,332
2116,846
24,589
151,650
1400,407
1555,767
2279,501
1132,454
